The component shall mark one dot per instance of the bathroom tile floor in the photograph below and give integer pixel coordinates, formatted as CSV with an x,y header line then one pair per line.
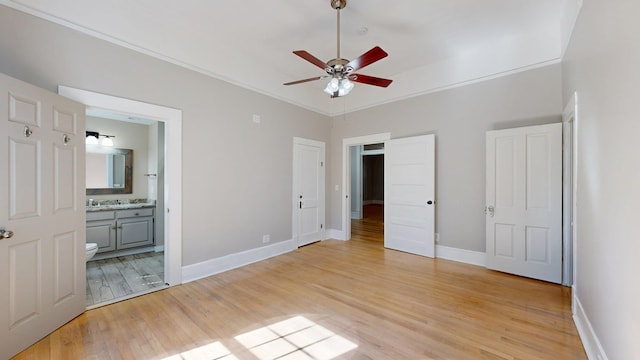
x,y
111,279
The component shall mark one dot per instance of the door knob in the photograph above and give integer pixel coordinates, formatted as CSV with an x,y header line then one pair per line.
x,y
5,234
429,202
491,210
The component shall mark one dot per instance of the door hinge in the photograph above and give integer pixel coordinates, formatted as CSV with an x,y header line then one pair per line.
x,y
320,226
321,163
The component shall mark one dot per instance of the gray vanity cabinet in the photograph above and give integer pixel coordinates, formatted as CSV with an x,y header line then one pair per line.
x,y
135,228
120,229
101,229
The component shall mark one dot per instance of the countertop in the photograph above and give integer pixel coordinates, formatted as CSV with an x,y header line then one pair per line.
x,y
119,206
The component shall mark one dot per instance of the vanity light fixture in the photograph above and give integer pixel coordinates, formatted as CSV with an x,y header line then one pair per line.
x,y
107,140
91,138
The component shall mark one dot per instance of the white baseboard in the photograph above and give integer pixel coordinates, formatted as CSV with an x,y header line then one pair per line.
x,y
158,248
373,202
355,215
461,255
590,341
233,261
335,234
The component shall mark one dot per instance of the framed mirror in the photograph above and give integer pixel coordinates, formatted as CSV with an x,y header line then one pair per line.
x,y
109,170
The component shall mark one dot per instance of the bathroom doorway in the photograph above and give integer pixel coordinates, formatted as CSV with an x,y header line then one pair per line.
x,y
125,221
169,200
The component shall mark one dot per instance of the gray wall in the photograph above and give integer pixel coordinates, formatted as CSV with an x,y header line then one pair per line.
x,y
602,64
459,118
228,161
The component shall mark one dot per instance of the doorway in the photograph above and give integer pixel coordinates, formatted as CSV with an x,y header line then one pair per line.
x,y
367,193
348,179
126,222
169,197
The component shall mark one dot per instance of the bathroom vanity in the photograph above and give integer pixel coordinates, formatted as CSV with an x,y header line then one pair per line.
x,y
120,227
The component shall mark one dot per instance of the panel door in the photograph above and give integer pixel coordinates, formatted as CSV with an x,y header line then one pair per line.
x,y
524,201
103,233
134,232
409,191
308,182
42,266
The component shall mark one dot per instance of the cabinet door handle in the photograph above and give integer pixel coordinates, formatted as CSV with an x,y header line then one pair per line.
x,y
114,227
136,214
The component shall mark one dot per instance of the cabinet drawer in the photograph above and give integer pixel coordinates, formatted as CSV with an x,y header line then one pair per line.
x,y
132,213
101,215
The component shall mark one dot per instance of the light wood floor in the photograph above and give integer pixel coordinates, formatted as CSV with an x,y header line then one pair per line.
x,y
122,276
334,299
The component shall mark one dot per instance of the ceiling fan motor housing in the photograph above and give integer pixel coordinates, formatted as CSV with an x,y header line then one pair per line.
x,y
337,67
338,4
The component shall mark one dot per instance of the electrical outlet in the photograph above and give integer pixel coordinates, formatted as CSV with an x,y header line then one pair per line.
x,y
266,238
437,237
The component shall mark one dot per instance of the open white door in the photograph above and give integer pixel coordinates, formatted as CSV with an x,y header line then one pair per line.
x,y
42,185
308,191
524,201
409,190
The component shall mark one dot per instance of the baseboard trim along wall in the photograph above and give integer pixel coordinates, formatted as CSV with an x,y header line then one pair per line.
x,y
233,261
335,234
590,340
461,255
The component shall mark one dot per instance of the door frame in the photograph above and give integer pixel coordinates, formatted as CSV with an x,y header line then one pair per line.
x,y
347,143
172,118
570,190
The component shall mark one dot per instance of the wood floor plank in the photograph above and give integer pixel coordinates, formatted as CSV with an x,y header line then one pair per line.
x,y
376,303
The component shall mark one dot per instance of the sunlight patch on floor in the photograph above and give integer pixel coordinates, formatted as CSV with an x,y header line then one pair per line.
x,y
296,338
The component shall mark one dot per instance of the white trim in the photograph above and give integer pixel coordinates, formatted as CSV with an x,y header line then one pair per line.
x,y
346,174
569,189
173,164
461,255
373,202
356,215
234,261
335,234
590,340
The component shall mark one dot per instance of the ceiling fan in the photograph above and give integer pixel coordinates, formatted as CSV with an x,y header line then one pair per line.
x,y
342,71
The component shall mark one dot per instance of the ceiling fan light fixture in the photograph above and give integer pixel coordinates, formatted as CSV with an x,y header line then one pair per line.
x,y
338,87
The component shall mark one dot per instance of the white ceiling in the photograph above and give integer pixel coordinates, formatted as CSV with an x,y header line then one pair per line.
x,y
432,44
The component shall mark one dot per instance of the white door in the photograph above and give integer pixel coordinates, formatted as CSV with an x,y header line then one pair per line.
x,y
524,201
42,266
409,191
308,191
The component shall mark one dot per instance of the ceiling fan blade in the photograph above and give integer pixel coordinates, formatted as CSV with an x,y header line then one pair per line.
x,y
304,80
370,80
312,59
367,58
